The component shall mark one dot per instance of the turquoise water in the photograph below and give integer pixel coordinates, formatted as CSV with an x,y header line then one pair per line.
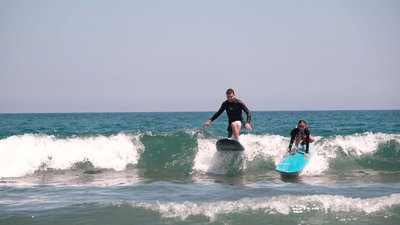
x,y
163,168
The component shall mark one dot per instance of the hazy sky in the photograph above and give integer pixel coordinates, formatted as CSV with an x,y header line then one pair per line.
x,y
138,56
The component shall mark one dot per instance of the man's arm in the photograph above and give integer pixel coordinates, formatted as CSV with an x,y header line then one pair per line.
x,y
216,115
248,113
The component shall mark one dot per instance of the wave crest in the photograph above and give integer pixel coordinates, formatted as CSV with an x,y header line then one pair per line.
x,y
27,153
286,204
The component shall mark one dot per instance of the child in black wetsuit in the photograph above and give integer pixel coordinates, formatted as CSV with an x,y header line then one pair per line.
x,y
300,133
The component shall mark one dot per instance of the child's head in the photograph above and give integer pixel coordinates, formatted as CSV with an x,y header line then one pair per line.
x,y
301,125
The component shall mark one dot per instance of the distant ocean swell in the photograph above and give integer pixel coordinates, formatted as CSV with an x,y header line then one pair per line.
x,y
189,151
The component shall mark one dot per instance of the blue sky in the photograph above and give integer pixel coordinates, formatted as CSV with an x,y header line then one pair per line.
x,y
139,56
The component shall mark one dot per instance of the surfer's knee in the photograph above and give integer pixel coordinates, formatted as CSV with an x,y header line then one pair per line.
x,y
311,139
234,125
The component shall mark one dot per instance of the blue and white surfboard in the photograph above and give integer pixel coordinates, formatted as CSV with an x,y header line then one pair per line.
x,y
293,163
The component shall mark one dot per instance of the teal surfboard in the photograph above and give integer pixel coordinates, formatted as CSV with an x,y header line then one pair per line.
x,y
293,163
229,144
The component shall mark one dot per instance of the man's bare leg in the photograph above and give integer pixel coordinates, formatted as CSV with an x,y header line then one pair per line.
x,y
235,130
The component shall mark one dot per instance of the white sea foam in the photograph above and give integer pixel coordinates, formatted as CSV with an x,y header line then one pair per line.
x,y
206,156
273,147
24,154
285,204
267,148
359,144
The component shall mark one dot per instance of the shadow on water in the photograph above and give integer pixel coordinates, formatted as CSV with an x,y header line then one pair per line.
x,y
290,177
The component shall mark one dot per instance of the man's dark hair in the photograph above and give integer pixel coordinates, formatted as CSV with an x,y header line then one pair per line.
x,y
229,91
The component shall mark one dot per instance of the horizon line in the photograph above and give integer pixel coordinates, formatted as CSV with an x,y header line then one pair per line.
x,y
311,110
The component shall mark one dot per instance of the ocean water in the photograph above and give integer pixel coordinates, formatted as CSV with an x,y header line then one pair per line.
x,y
163,168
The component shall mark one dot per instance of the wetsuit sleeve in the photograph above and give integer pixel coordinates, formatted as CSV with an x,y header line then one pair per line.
x,y
246,110
292,137
307,140
219,112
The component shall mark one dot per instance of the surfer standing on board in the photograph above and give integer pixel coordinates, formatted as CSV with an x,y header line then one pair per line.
x,y
233,107
300,133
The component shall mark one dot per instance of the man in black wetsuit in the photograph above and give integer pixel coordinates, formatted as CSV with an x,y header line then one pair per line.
x,y
233,107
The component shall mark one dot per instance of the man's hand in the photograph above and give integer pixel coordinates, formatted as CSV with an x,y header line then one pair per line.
x,y
207,123
247,125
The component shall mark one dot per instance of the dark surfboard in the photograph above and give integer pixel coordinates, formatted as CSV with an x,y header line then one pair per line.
x,y
229,144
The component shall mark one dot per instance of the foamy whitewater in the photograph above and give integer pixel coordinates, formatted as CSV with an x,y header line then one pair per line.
x,y
162,168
